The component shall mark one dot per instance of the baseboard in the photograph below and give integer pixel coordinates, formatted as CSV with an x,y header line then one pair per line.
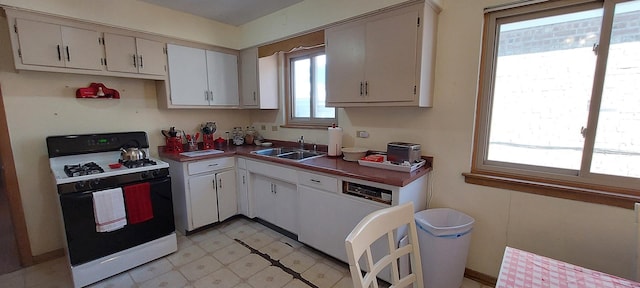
x,y
37,259
483,279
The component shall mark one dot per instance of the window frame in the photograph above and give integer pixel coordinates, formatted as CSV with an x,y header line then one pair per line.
x,y
310,122
563,183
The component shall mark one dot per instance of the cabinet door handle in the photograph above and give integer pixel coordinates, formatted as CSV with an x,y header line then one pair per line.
x,y
141,63
275,189
361,88
254,96
206,95
220,183
366,87
68,55
59,53
213,165
315,181
135,64
243,181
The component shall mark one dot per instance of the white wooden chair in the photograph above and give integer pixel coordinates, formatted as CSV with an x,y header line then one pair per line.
x,y
374,226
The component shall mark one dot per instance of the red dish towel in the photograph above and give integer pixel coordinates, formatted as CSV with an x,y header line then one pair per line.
x,y
138,202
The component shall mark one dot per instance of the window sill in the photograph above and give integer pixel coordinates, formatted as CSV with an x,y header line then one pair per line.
x,y
617,197
301,126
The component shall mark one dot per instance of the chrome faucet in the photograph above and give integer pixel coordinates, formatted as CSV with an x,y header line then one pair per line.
x,y
301,141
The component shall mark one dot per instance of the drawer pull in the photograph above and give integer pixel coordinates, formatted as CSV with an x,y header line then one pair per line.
x,y
213,165
315,181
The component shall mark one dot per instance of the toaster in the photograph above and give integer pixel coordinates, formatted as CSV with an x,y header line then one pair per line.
x,y
399,152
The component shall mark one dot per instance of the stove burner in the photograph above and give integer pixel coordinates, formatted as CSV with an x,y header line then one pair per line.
x,y
82,169
137,163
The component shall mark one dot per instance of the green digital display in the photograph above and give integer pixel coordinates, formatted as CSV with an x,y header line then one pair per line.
x,y
102,141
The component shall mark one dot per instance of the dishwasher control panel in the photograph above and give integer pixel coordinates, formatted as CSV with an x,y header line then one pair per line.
x,y
368,192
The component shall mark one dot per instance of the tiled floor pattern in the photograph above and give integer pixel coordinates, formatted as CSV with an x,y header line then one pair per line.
x,y
213,258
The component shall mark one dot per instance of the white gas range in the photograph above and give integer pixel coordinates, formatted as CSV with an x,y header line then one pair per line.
x,y
87,166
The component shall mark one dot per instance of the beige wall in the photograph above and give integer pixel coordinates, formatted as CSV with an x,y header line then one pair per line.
x,y
596,236
41,104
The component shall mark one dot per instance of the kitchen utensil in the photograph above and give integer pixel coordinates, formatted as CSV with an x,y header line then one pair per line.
x,y
208,128
132,154
172,132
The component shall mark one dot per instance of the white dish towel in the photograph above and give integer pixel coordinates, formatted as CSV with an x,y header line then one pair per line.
x,y
108,208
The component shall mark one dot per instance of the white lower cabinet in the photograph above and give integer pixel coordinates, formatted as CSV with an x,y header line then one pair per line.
x,y
276,202
204,192
273,194
242,184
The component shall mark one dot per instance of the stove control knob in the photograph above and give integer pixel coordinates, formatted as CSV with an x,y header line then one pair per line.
x,y
155,173
95,183
144,175
80,186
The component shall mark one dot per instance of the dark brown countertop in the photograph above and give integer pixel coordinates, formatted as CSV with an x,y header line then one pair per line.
x,y
326,164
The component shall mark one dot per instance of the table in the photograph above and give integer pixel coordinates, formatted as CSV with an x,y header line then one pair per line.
x,y
524,269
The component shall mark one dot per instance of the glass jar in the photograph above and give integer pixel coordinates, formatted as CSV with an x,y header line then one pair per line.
x,y
238,136
249,136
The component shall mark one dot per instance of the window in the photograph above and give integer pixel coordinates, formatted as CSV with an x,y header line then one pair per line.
x,y
306,89
559,97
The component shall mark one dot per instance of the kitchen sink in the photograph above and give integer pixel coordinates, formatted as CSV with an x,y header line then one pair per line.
x,y
289,153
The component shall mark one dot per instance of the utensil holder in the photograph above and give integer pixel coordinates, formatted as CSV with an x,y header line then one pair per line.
x,y
174,145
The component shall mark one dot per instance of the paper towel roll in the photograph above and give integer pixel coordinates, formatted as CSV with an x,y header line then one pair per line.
x,y
335,141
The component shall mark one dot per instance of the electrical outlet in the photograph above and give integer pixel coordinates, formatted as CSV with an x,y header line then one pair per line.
x,y
263,127
274,128
362,134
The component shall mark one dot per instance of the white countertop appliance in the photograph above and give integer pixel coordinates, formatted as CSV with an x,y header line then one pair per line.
x,y
90,165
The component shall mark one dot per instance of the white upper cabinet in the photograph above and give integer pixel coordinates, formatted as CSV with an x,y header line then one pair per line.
x,y
46,44
259,78
203,78
134,55
222,71
379,60
42,42
249,77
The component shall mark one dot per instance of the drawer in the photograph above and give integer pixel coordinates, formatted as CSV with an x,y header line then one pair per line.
x,y
272,171
203,166
318,181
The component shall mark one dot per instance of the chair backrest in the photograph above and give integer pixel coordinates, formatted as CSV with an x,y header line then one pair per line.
x,y
374,226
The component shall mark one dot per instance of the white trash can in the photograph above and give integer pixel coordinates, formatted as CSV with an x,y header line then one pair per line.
x,y
444,235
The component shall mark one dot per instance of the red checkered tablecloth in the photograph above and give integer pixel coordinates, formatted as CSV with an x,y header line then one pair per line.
x,y
527,270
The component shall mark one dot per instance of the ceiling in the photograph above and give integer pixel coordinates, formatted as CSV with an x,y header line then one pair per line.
x,y
233,12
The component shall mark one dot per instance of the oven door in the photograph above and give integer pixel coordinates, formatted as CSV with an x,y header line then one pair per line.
x,y
84,243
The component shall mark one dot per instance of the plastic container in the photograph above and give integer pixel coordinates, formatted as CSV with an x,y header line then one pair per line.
x,y
444,235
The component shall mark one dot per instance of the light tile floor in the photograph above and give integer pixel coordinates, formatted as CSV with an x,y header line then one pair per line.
x,y
212,258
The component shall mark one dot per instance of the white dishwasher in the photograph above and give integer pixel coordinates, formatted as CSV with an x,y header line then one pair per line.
x,y
327,217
